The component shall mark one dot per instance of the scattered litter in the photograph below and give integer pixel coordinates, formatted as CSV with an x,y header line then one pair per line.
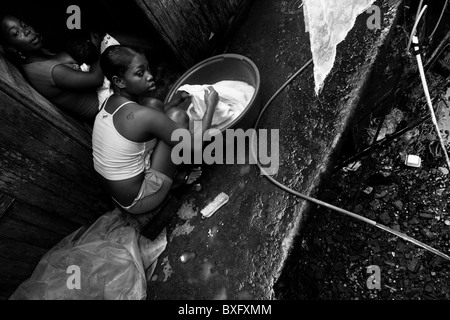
x,y
392,289
167,269
382,194
385,174
447,222
215,205
426,215
188,256
393,265
213,232
180,230
368,190
443,120
352,166
398,204
187,211
388,127
413,161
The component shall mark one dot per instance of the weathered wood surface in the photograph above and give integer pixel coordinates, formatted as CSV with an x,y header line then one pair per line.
x,y
29,181
5,202
48,187
48,152
46,157
20,251
23,232
15,270
7,287
13,84
191,28
41,219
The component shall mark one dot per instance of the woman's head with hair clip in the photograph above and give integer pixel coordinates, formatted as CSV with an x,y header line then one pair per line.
x,y
128,70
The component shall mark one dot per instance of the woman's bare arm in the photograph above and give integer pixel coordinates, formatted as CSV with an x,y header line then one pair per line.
x,y
71,79
163,127
177,101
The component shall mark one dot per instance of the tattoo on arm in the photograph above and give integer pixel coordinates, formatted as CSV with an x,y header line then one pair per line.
x,y
130,116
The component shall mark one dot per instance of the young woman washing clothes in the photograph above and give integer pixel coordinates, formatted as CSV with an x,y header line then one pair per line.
x,y
132,142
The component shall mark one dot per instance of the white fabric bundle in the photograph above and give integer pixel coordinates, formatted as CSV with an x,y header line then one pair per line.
x,y
234,96
328,23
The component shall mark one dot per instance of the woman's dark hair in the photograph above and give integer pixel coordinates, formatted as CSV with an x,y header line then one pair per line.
x,y
116,60
5,48
80,47
3,15
3,40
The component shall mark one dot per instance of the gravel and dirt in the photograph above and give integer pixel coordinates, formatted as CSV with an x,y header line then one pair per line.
x,y
337,250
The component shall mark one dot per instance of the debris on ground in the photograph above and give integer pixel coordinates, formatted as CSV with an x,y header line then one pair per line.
x,y
337,250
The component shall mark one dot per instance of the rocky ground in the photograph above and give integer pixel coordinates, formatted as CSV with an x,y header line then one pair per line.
x,y
337,249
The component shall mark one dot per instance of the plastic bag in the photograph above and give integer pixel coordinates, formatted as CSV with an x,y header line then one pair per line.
x,y
111,257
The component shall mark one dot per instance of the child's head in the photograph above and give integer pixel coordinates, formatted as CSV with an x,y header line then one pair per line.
x,y
81,48
128,70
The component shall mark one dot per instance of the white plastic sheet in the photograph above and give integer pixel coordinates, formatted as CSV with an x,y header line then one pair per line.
x,y
112,259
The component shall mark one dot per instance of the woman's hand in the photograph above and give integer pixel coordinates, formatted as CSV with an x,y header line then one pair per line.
x,y
176,102
211,97
184,96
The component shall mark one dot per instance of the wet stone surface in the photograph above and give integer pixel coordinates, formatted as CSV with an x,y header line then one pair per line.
x,y
241,250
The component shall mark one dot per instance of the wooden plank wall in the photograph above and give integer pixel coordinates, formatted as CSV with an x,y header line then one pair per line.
x,y
193,28
48,188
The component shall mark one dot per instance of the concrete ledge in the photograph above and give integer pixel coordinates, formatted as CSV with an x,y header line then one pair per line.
x,y
242,249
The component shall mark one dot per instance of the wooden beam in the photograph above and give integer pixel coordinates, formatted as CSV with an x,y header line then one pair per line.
x,y
42,219
16,270
20,251
27,180
7,287
5,202
80,171
18,231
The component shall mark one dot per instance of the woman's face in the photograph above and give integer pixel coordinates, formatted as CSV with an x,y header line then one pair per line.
x,y
19,35
138,79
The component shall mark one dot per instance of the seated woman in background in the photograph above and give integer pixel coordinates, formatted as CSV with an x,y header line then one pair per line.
x,y
132,142
53,75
